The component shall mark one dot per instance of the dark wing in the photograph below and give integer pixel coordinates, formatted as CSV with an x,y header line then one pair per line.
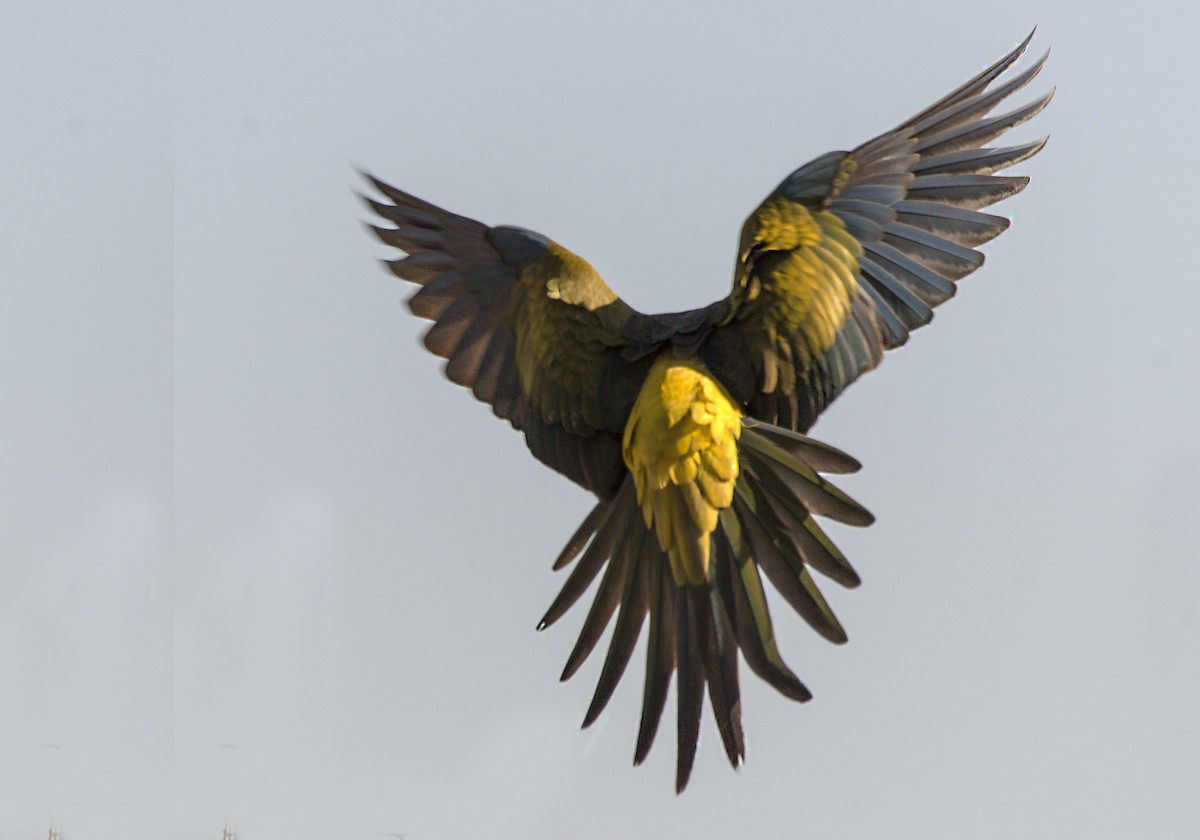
x,y
854,250
528,326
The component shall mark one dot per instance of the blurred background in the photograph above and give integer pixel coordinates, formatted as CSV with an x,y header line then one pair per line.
x,y
262,566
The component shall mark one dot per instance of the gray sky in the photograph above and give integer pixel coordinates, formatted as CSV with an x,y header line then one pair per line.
x,y
264,566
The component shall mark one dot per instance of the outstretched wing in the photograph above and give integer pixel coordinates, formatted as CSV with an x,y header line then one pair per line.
x,y
854,250
528,326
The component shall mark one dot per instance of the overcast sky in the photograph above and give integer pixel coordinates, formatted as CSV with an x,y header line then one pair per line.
x,y
261,565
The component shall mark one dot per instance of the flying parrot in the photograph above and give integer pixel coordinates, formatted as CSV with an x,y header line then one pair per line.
x,y
689,427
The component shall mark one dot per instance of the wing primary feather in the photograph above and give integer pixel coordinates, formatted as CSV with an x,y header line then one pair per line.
x,y
969,191
861,228
894,330
431,300
974,85
880,214
909,307
487,381
871,336
948,259
411,240
410,216
876,193
891,168
978,161
929,287
508,396
976,134
418,211
486,282
468,357
887,146
947,119
883,175
449,329
964,227
401,215
420,268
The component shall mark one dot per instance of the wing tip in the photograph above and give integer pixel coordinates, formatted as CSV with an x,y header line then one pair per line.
x,y
380,186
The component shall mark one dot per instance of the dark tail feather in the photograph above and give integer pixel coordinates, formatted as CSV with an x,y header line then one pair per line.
x,y
581,536
689,633
697,631
634,606
603,539
777,556
746,605
613,587
720,665
660,655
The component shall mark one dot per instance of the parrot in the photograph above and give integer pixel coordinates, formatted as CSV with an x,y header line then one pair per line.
x,y
690,428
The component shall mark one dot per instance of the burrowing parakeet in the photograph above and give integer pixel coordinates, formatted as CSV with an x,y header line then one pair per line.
x,y
690,427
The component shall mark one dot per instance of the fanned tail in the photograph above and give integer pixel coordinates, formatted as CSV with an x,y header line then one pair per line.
x,y
696,631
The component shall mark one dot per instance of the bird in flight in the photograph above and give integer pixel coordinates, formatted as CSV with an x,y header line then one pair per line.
x,y
690,427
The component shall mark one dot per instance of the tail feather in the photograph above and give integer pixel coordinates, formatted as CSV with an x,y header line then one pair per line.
x,y
634,606
746,605
660,656
820,456
598,551
785,570
613,586
697,630
720,666
689,668
581,536
815,493
816,549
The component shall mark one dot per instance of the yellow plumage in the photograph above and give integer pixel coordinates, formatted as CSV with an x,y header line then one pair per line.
x,y
680,444
806,280
780,225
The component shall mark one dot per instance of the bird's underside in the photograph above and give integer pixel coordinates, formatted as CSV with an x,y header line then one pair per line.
x,y
689,428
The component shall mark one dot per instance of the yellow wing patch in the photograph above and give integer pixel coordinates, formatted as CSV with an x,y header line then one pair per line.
x,y
565,319
797,276
779,224
680,444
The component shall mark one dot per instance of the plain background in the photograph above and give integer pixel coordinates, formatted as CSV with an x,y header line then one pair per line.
x,y
262,566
